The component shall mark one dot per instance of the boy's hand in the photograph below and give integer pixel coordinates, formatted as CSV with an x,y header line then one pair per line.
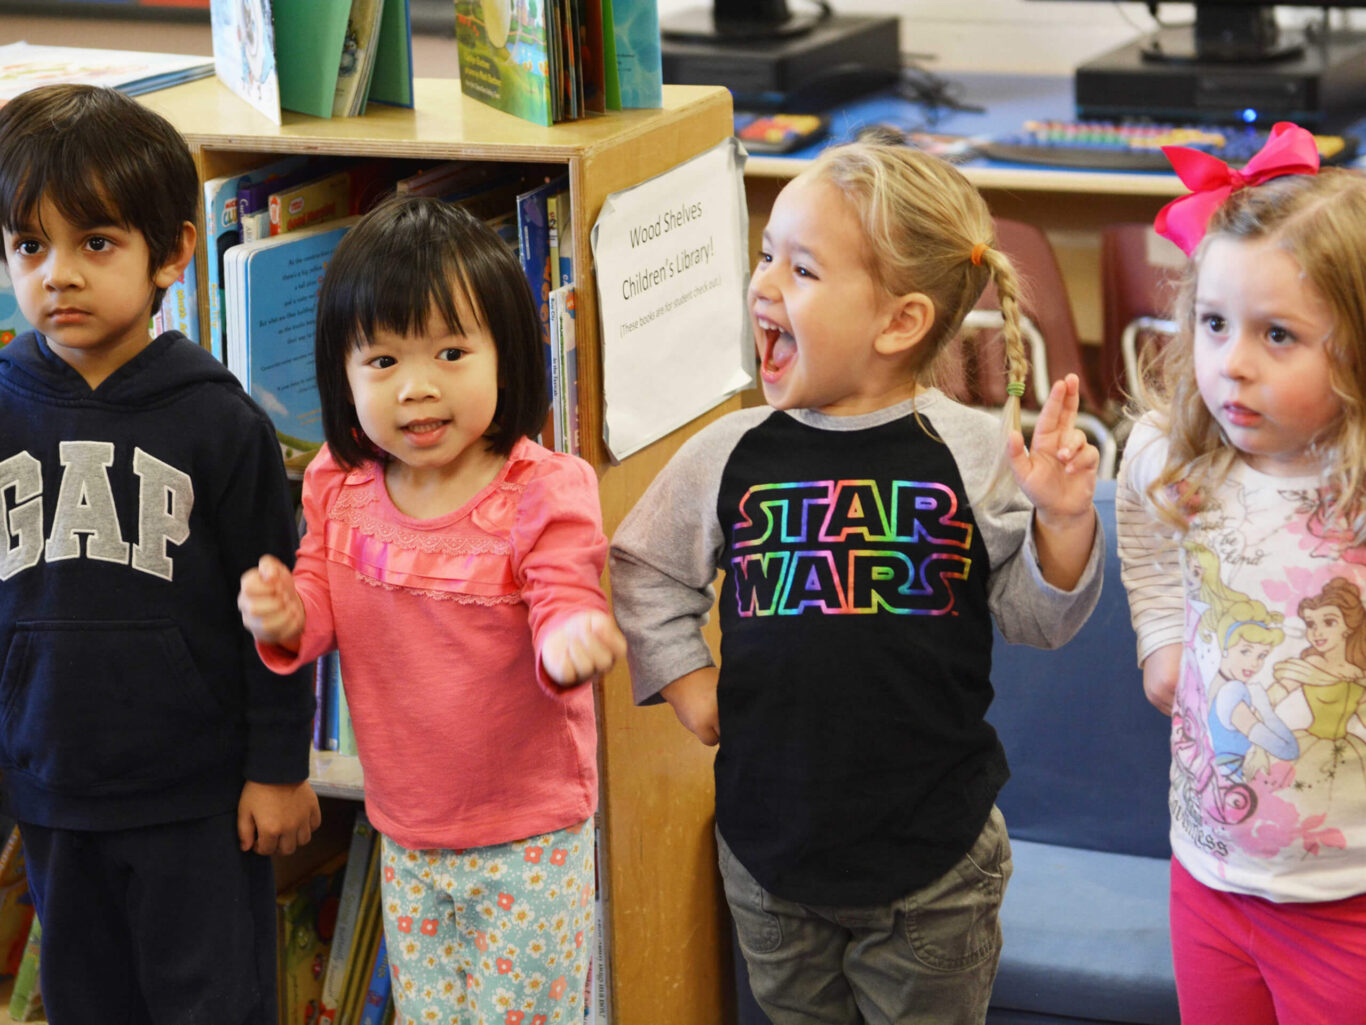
x,y
582,646
271,607
1058,471
1160,672
275,818
693,699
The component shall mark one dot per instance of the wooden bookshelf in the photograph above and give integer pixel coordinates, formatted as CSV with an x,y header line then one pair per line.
x,y
669,947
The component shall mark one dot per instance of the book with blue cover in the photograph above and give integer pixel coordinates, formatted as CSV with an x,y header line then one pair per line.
x,y
12,322
221,225
533,236
640,69
271,298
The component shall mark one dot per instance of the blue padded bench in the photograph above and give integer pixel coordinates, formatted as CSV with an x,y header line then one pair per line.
x,y
1085,915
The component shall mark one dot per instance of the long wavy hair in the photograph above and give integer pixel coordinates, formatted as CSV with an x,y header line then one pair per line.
x,y
1319,221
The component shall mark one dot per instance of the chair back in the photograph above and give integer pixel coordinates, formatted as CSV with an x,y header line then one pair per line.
x,y
1139,271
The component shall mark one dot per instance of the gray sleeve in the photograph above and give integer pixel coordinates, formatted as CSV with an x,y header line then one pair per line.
x,y
665,557
1026,607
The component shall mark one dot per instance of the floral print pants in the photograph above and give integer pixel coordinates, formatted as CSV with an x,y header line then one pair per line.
x,y
497,935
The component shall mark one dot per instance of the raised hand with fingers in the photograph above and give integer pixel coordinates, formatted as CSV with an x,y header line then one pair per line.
x,y
582,646
271,607
1057,473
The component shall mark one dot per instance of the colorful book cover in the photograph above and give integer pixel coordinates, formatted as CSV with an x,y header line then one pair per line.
x,y
310,203
180,306
377,992
26,998
504,56
244,52
358,866
224,232
272,292
12,322
533,235
306,915
640,71
253,196
25,66
16,905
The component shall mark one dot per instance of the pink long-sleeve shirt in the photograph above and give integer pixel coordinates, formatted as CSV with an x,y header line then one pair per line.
x,y
463,740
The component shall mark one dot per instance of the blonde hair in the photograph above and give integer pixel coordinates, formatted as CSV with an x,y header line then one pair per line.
x,y
1320,222
1251,621
923,221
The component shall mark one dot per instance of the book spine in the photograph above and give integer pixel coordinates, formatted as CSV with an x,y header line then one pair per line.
x,y
348,911
377,994
26,999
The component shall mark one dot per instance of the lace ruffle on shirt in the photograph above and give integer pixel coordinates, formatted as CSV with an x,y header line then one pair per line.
x,y
458,561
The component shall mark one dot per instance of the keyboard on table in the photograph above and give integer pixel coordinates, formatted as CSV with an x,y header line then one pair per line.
x,y
1137,146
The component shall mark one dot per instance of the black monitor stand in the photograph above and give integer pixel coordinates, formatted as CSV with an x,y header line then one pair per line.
x,y
1229,77
771,60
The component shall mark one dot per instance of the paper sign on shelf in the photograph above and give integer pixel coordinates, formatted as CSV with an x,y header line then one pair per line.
x,y
672,256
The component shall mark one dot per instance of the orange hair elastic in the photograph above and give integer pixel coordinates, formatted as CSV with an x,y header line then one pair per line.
x,y
977,251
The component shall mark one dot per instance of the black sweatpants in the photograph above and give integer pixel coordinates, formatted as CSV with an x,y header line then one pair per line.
x,y
163,925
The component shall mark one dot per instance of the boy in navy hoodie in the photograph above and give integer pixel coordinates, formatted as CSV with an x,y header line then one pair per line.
x,y
151,760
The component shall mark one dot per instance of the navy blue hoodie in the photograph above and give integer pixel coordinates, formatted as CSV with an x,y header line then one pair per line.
x,y
130,694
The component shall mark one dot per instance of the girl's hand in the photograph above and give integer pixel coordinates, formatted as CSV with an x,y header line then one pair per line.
x,y
271,607
1058,471
583,646
1160,671
693,699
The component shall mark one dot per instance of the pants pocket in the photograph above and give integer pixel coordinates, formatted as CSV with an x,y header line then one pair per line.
x,y
759,930
954,922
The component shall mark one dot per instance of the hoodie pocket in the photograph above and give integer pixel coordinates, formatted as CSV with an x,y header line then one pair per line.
x,y
108,706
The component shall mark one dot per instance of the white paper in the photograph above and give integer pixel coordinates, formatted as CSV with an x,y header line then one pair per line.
x,y
672,256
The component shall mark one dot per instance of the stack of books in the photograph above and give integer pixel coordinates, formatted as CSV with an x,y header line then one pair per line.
x,y
559,60
327,58
24,66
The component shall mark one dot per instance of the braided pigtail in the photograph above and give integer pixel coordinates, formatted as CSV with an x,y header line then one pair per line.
x,y
1017,364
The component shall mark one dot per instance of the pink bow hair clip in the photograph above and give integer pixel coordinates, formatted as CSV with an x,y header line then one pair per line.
x,y
1289,149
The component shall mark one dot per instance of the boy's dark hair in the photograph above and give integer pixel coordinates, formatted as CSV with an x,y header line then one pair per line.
x,y
403,259
100,157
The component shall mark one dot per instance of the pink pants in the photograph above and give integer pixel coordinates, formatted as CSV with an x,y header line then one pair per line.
x,y
1256,962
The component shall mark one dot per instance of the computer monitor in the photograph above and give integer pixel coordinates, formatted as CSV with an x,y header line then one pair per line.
x,y
1235,64
742,21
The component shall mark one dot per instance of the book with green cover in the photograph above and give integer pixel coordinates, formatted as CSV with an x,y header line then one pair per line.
x,y
26,999
505,59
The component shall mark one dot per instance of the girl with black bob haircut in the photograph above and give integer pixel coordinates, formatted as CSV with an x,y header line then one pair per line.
x,y
409,256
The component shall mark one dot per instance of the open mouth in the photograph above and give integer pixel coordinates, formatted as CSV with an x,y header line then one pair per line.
x,y
777,348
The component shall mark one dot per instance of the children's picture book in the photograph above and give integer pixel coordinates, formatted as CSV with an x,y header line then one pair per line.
x,y
564,352
318,57
26,998
640,71
24,66
271,297
12,322
244,52
358,866
223,232
361,958
180,307
377,992
504,55
305,917
16,904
